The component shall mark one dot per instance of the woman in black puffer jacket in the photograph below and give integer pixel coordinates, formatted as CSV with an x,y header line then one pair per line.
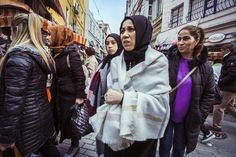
x,y
26,118
191,102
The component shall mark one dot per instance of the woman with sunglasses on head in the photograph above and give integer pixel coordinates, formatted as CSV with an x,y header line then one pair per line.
x,y
136,109
191,101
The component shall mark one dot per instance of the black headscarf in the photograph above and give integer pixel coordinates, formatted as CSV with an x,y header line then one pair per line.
x,y
143,29
109,57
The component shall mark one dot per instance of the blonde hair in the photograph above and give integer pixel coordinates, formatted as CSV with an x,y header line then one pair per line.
x,y
27,29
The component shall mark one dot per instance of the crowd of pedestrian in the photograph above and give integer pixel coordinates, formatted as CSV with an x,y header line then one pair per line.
x,y
134,96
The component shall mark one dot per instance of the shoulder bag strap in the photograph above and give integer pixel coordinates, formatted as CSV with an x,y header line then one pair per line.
x,y
184,79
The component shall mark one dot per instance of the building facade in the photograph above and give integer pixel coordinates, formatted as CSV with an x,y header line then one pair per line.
x,y
138,7
56,18
9,8
216,17
75,15
96,32
156,19
75,12
152,9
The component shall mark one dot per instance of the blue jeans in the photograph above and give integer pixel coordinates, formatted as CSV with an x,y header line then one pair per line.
x,y
174,135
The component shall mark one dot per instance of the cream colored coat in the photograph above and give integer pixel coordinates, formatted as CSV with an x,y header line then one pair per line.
x,y
91,63
144,112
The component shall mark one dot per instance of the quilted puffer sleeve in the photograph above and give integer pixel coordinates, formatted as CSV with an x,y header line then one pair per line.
x,y
78,74
16,74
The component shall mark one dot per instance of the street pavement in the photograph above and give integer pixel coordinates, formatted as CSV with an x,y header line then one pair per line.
x,y
220,147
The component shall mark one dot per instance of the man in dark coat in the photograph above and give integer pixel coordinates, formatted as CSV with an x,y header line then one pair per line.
x,y
227,85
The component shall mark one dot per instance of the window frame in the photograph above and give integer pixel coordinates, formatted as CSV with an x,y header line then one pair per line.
x,y
178,17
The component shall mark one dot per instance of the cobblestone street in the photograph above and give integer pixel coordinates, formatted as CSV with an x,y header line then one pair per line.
x,y
219,148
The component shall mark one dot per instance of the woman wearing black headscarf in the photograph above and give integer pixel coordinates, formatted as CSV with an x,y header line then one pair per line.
x,y
98,85
136,109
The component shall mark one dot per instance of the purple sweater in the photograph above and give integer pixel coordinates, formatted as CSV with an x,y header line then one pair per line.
x,y
184,92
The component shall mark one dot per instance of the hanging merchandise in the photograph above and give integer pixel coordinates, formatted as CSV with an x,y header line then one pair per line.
x,y
215,55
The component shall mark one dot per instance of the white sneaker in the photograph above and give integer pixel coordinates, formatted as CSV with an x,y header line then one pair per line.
x,y
208,137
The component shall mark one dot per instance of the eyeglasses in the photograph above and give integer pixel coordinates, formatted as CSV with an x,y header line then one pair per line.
x,y
185,38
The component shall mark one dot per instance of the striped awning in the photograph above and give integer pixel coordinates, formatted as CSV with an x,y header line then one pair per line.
x,y
8,10
6,17
15,4
215,55
79,39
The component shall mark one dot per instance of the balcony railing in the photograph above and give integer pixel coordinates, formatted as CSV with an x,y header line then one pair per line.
x,y
203,8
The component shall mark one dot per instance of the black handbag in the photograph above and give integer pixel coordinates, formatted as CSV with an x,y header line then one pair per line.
x,y
80,120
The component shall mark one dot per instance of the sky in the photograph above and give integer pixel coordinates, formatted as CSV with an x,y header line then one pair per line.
x,y
110,11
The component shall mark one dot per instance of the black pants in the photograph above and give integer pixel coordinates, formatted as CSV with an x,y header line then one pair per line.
x,y
138,149
48,150
75,140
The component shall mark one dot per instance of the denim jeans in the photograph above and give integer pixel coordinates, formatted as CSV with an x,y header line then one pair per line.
x,y
174,135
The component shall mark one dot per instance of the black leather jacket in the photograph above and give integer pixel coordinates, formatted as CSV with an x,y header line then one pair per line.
x,y
25,114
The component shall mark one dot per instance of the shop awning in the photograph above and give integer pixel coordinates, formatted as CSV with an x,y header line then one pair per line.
x,y
165,40
79,39
215,55
8,10
14,4
166,37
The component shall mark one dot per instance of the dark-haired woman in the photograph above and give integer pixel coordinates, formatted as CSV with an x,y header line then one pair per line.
x,y
136,109
191,102
98,85
91,62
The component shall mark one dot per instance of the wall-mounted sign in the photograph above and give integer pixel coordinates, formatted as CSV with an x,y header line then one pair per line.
x,y
217,37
